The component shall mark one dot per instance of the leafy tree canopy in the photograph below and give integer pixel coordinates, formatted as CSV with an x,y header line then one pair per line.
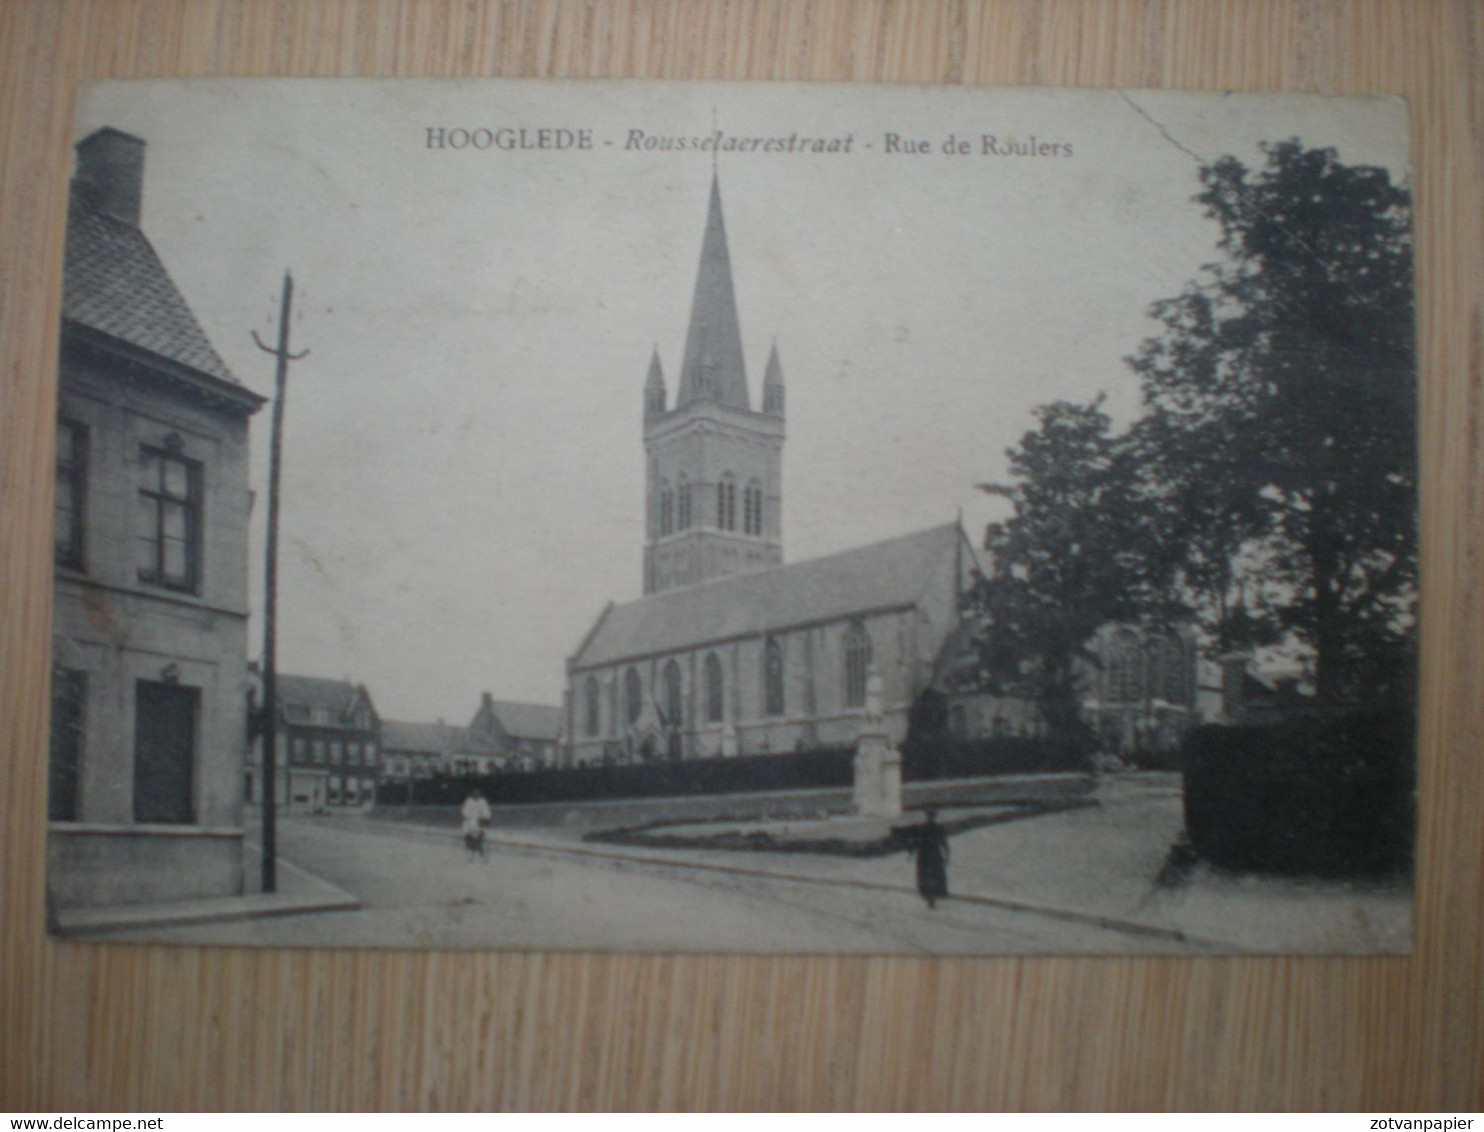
x,y
1269,485
1279,438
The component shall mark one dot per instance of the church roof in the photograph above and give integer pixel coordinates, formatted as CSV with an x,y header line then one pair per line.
x,y
713,366
885,575
114,283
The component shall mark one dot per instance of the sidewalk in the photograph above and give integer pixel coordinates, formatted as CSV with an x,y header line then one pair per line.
x,y
298,892
1096,865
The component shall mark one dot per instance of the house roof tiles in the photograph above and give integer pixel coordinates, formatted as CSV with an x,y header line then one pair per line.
x,y
114,283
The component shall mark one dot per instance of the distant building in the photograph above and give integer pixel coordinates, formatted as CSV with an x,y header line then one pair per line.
x,y
329,745
149,674
508,735
1141,691
411,751
1253,692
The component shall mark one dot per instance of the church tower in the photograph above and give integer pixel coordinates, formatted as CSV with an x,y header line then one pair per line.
x,y
714,484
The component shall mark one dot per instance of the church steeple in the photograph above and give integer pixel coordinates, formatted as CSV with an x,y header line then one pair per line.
x,y
713,466
713,368
773,385
654,388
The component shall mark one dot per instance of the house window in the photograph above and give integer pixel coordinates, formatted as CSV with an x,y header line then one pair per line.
x,y
332,793
726,505
169,520
683,522
773,702
667,509
298,750
165,752
69,704
633,688
857,664
672,694
714,690
72,475
590,698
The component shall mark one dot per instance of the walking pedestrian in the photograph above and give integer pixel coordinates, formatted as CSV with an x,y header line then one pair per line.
x,y
928,842
475,814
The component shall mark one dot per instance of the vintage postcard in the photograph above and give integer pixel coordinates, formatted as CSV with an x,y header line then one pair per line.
x,y
721,517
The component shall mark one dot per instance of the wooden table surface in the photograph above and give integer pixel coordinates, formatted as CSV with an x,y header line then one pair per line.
x,y
116,1027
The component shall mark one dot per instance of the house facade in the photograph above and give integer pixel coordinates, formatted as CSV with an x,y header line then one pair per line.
x,y
415,751
508,735
149,663
329,746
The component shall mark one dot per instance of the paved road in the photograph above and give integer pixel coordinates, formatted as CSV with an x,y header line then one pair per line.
x,y
420,889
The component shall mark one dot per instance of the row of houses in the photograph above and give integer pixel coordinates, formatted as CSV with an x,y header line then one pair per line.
x,y
334,749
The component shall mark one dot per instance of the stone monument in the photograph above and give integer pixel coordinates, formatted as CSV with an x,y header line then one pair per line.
x,y
728,741
878,764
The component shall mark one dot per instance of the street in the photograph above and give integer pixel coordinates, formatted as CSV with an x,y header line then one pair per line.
x,y
420,888
1083,880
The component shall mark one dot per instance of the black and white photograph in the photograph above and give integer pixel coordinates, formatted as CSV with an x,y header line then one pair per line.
x,y
702,517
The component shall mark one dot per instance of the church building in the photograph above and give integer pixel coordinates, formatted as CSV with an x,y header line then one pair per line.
x,y
731,652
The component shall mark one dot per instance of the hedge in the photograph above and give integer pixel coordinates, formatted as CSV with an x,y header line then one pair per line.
x,y
1329,796
820,768
948,756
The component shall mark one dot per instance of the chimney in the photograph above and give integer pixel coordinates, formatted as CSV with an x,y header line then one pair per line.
x,y
110,170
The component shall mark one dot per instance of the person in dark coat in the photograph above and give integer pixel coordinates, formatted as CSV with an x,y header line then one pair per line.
x,y
928,842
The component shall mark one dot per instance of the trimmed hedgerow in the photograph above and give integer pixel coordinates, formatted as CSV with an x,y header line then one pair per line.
x,y
1317,795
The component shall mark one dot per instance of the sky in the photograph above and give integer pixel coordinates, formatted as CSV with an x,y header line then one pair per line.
x,y
463,466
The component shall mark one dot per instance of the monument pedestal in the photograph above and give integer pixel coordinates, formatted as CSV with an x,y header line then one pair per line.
x,y
878,776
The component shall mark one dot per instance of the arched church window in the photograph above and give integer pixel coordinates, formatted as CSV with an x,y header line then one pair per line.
x,y
1124,664
857,664
671,684
667,509
752,509
590,696
714,691
633,688
773,703
1170,681
726,504
683,519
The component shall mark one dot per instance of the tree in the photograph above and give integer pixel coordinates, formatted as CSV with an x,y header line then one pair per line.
x,y
1278,447
1076,553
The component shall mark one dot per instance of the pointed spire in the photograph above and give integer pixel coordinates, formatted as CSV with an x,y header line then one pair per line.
x,y
713,366
654,386
773,384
